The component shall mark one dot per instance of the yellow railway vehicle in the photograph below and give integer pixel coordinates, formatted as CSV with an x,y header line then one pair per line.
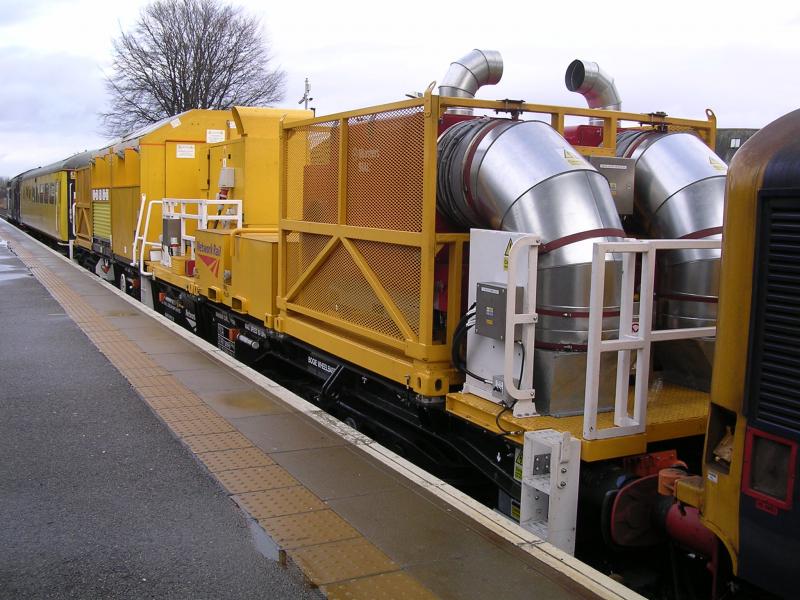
x,y
520,301
45,198
127,181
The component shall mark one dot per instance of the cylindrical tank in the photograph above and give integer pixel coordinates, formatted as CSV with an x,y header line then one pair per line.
x,y
680,193
522,176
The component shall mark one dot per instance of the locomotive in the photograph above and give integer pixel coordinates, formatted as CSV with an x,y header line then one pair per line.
x,y
522,298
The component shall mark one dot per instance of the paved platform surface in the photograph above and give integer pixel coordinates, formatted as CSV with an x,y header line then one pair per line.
x,y
99,500
357,521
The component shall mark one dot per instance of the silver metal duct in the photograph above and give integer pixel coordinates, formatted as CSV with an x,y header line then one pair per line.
x,y
594,84
522,176
471,72
680,193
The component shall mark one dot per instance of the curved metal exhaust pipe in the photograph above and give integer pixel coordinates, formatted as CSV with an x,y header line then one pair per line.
x,y
594,84
469,73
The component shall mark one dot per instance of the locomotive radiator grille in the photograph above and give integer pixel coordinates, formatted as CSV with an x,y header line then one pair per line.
x,y
774,354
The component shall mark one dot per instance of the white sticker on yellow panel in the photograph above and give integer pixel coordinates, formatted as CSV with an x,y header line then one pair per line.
x,y
215,135
184,151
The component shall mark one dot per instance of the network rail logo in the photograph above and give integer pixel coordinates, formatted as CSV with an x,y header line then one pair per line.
x,y
209,255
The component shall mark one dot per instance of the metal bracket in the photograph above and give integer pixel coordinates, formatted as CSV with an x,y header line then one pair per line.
x,y
525,408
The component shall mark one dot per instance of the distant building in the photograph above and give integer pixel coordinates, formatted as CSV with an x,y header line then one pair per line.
x,y
730,140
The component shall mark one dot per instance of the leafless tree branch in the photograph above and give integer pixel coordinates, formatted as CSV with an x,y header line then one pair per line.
x,y
185,54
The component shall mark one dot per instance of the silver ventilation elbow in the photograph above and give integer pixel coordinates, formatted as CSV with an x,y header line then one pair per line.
x,y
594,84
471,72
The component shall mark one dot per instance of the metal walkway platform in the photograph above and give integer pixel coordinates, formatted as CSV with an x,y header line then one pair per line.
x,y
358,521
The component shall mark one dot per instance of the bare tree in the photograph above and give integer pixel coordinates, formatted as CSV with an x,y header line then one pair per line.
x,y
185,54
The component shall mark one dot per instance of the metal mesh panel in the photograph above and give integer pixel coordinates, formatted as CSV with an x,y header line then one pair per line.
x,y
312,172
301,250
384,170
399,270
340,290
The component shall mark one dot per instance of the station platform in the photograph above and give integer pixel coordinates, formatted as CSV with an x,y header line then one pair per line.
x,y
356,520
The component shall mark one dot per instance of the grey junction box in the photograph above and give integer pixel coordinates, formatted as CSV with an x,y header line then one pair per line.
x,y
490,309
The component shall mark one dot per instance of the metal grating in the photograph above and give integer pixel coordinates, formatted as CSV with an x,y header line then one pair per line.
x,y
301,250
775,352
312,172
399,270
340,290
384,169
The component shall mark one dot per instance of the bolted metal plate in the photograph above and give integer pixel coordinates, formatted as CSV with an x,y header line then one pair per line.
x,y
240,458
217,441
186,413
200,426
388,586
254,479
278,502
308,529
541,464
339,561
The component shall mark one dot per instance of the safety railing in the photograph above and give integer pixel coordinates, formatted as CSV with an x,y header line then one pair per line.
x,y
197,210
177,208
522,392
631,338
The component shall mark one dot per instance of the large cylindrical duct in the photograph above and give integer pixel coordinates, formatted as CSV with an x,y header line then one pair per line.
x,y
594,84
471,72
680,193
522,176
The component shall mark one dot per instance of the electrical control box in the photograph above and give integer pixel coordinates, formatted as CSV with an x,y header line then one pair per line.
x,y
490,309
619,172
486,344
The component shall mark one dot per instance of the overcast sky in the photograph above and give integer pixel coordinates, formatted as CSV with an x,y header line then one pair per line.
x,y
678,57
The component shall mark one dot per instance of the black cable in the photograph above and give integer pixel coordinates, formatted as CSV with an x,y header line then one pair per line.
x,y
500,427
522,364
455,348
455,352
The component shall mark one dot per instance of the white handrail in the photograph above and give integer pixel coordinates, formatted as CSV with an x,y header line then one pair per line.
x,y
629,340
137,236
527,319
177,208
145,243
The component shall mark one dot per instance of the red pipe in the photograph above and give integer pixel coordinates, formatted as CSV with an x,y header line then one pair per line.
x,y
683,525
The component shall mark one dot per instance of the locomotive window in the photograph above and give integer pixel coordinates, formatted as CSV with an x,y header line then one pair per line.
x,y
769,468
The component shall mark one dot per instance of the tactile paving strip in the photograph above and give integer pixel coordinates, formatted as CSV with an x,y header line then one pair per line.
x,y
389,586
339,561
217,441
200,426
254,479
185,413
240,458
278,502
307,529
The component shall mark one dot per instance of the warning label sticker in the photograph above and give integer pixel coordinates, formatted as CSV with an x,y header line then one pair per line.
x,y
717,164
184,151
505,255
215,135
573,159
